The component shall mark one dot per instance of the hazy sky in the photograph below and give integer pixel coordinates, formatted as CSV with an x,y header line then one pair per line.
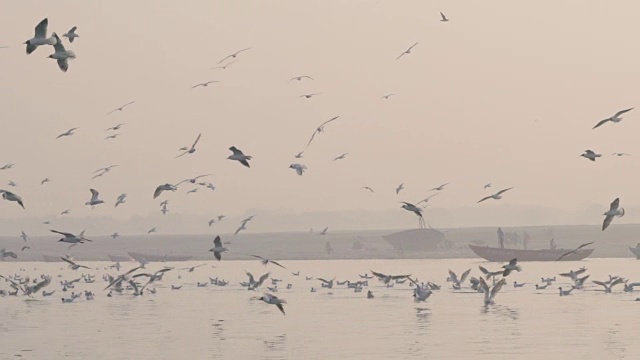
x,y
506,92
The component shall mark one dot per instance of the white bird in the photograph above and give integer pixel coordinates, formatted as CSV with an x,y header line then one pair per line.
x,y
67,133
191,149
489,295
204,84
233,55
386,97
318,130
40,37
62,55
164,187
273,300
120,108
457,284
496,196
399,188
71,238
410,207
73,265
408,51
218,249
589,154
267,261
299,78
239,156
444,18
613,211
117,127
71,34
45,180
121,199
299,168
9,196
94,198
607,288
614,119
341,157
511,266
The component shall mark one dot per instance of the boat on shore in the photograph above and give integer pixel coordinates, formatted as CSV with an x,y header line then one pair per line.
x,y
139,257
506,254
635,251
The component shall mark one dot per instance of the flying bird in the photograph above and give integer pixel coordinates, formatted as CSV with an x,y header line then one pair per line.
x,y
299,78
152,230
319,129
224,67
496,196
439,188
71,238
273,300
574,251
67,133
614,119
45,180
368,188
386,97
341,157
204,84
233,55
9,196
410,207
71,34
309,96
621,154
121,199
94,198
117,127
164,187
23,236
511,266
399,188
65,212
40,37
112,136
120,108
73,265
192,149
387,278
239,156
443,18
61,55
267,261
299,168
408,51
490,294
590,155
614,210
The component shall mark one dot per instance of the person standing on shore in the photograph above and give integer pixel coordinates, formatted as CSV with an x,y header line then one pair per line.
x,y
501,238
525,240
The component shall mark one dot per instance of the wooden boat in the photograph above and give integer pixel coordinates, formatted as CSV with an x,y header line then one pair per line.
x,y
504,255
416,240
635,251
139,257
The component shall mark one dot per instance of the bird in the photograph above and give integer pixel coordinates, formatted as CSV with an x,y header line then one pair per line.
x,y
120,108
121,199
191,149
496,196
240,228
218,249
124,277
239,156
73,265
40,37
299,168
152,230
399,188
516,285
273,300
327,283
621,154
65,212
25,247
94,198
7,166
61,54
408,51
318,130
112,136
367,188
309,96
387,278
298,155
386,97
565,292
299,78
9,196
204,84
253,284
193,268
608,287
194,179
614,119
224,67
574,251
267,261
192,191
439,188
164,187
426,200
152,277
490,274
613,211
23,236
117,127
71,34
45,180
71,238
487,185
444,18
12,184
233,55
5,254
410,207
511,266
115,235
489,295
341,157
67,133
591,155
457,284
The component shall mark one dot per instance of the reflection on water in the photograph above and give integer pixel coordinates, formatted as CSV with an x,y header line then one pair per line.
x,y
228,322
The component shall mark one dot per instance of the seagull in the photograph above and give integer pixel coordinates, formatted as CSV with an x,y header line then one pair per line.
x,y
319,129
220,217
204,84
574,251
511,266
23,236
218,249
607,289
496,196
444,18
573,275
253,284
152,230
309,96
25,248
489,295
387,278
267,261
224,67
67,133
614,119
410,207
386,97
124,277
408,51
120,108
9,196
73,265
192,191
457,284
192,149
117,127
40,37
6,166
439,188
399,188
112,136
299,168
152,277
65,212
426,200
193,268
609,215
45,180
4,254
242,227
71,34
61,54
194,179
299,78
165,187
239,156
341,157
298,155
590,155
367,188
94,198
273,300
233,55
121,199
71,238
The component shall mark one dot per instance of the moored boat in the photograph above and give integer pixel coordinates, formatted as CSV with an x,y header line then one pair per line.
x,y
139,257
504,255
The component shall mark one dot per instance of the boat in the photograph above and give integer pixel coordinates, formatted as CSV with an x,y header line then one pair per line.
x,y
504,255
635,251
416,240
139,257
118,258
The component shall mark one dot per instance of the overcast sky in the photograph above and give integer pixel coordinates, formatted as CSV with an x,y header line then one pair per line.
x,y
505,93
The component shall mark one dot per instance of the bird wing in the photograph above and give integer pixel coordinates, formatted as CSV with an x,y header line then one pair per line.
x,y
66,234
503,190
41,28
614,205
58,46
276,263
69,261
195,142
262,279
412,46
484,286
245,163
580,247
281,307
599,283
310,140
497,288
236,151
219,62
217,242
602,122
94,194
259,257
325,281
442,15
607,221
484,271
622,112
330,120
453,277
464,276
40,285
616,282
513,262
378,275
73,29
485,198
562,257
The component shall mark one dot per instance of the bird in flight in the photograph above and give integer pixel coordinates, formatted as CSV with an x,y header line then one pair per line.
x,y
40,37
399,188
239,156
408,51
299,78
67,133
299,168
621,154
205,84
614,210
496,196
341,157
265,262
233,55
443,18
120,108
591,155
574,251
368,188
71,34
318,130
224,67
309,96
191,149
386,97
61,55
614,119
439,188
117,127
